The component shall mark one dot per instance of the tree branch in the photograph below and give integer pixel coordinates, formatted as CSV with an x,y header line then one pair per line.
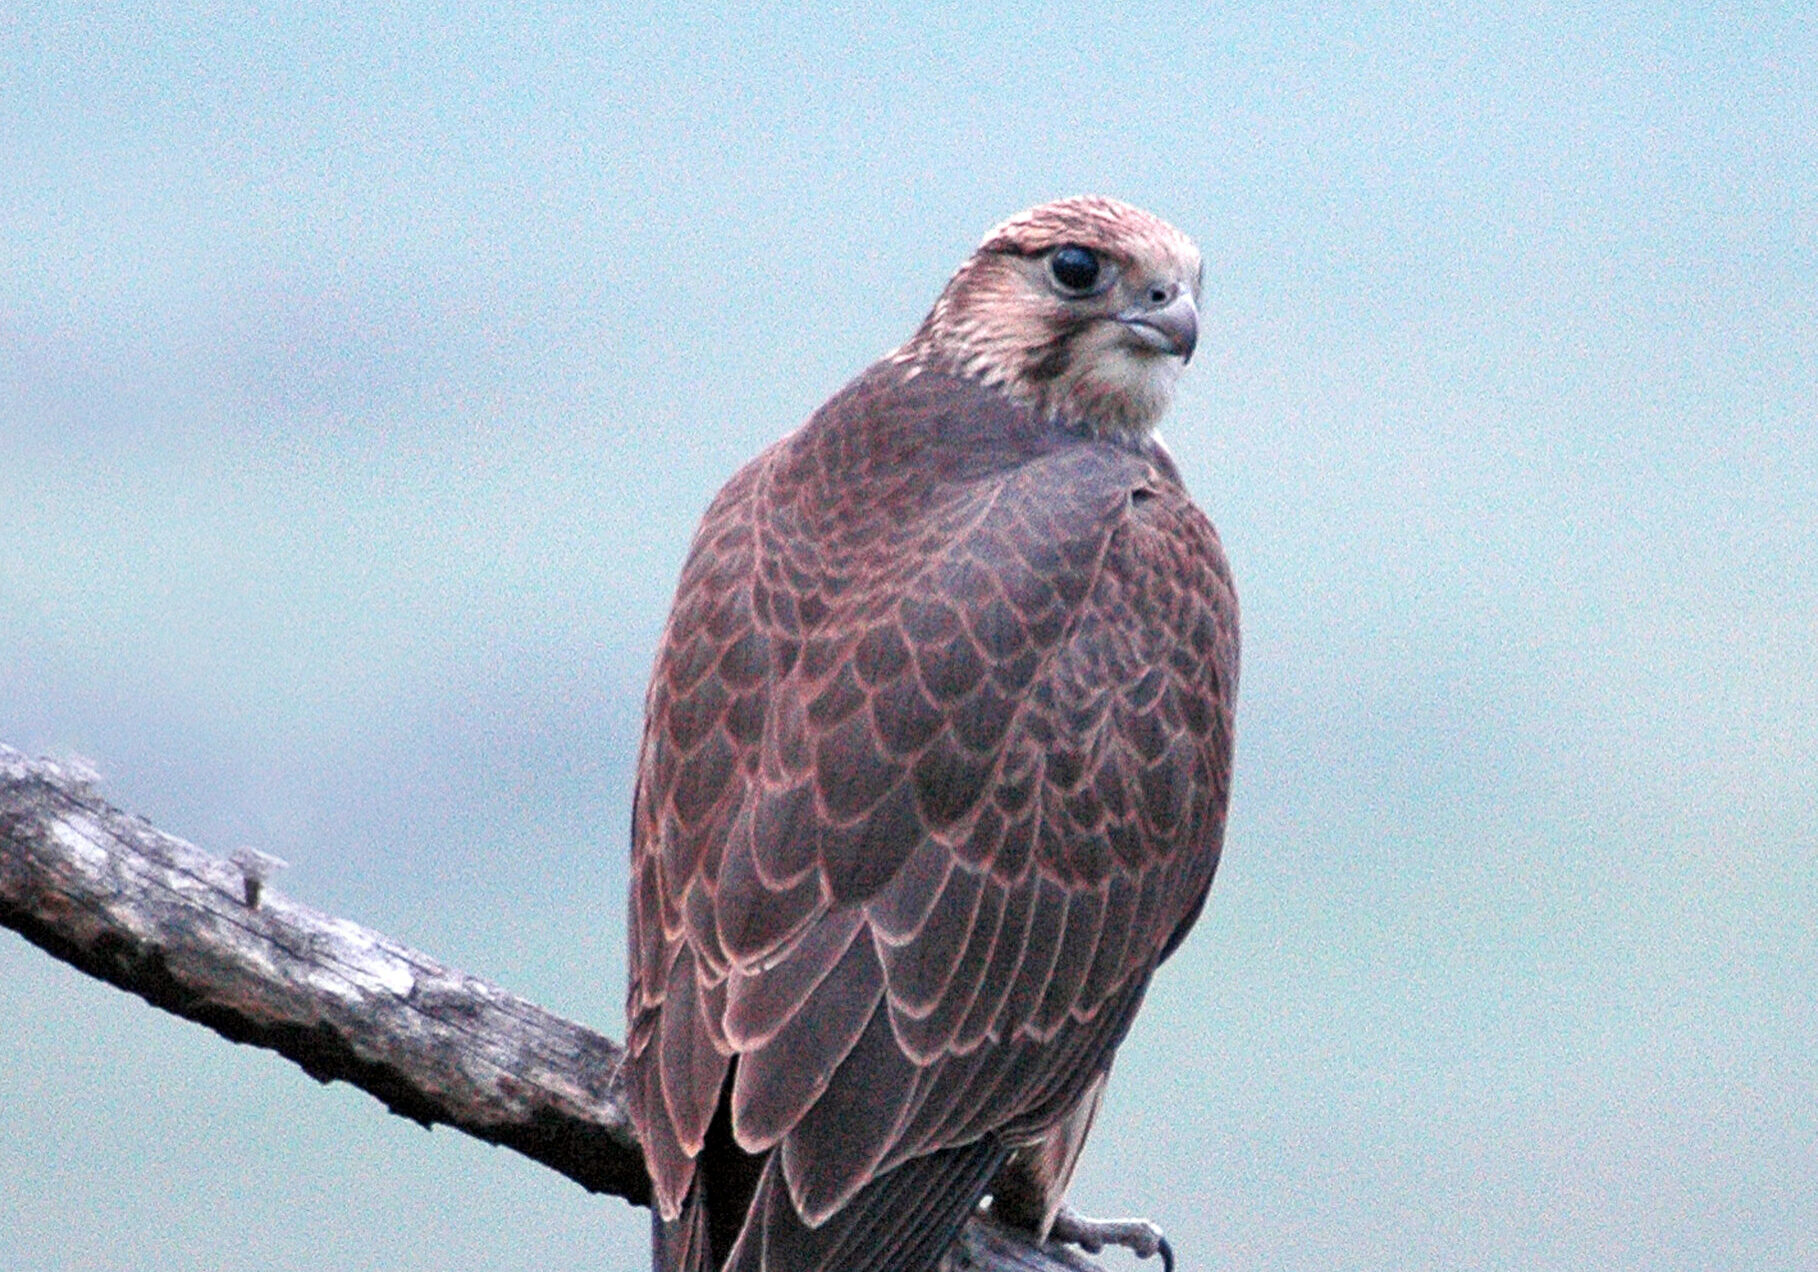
x,y
190,933
206,939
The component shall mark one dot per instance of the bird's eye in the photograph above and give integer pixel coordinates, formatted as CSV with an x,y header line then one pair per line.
x,y
1075,268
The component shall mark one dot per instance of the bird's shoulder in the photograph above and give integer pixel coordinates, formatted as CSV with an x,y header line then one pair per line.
x,y
894,463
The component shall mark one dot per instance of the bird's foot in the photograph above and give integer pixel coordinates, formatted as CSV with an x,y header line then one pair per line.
x,y
1139,1236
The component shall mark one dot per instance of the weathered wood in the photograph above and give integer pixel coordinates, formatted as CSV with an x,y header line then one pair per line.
x,y
213,942
145,911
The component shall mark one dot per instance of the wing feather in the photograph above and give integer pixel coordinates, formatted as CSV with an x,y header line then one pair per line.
x,y
1110,967
761,999
997,977
932,781
933,1033
900,909
777,1083
833,1151
1079,942
691,1069
920,970
751,920
1047,924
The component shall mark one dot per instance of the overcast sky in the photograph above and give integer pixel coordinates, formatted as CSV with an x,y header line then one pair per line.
x,y
363,370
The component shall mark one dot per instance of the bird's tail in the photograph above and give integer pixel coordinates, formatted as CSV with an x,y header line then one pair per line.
x,y
903,1221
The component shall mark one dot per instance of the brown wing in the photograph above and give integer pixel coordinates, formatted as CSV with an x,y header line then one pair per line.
x,y
932,780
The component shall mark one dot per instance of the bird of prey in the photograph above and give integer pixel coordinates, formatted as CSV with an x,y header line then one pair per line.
x,y
933,774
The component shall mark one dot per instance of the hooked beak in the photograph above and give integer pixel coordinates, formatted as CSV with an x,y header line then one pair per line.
x,y
1172,328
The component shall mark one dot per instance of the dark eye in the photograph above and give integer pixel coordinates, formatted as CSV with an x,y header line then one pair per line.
x,y
1075,268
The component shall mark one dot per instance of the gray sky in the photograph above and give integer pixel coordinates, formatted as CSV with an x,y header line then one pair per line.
x,y
363,372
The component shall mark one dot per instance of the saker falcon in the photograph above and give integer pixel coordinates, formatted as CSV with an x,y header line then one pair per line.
x,y
934,772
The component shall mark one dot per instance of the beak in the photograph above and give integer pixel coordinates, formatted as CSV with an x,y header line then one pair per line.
x,y
1172,328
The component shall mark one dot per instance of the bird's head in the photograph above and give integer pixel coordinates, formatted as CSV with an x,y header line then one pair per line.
x,y
1087,308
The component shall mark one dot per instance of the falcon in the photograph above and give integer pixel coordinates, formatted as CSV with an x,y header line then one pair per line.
x,y
933,774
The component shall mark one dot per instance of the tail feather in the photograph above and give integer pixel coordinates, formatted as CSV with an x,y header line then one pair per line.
x,y
903,1221
680,1245
725,1179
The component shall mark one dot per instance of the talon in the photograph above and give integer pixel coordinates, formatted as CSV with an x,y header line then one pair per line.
x,y
1139,1236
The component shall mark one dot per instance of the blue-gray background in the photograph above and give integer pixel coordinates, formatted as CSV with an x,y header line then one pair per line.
x,y
363,370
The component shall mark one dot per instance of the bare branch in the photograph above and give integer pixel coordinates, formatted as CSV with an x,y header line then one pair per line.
x,y
202,938
211,941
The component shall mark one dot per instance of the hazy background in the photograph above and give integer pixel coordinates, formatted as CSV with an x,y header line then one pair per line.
x,y
363,370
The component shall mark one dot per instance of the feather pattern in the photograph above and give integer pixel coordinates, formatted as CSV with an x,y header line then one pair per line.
x,y
934,775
